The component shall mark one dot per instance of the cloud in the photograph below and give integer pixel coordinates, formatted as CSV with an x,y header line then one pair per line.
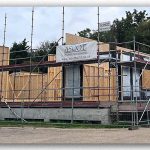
x,y
48,21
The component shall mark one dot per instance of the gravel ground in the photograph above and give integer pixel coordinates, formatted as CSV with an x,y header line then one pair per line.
x,y
72,136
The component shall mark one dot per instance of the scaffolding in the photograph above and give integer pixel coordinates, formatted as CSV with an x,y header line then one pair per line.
x,y
101,80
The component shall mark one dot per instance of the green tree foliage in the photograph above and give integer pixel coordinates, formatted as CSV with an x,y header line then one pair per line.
x,y
133,24
44,49
143,32
18,52
41,54
92,34
143,35
127,27
85,33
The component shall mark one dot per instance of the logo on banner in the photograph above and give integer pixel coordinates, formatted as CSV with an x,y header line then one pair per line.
x,y
78,49
83,51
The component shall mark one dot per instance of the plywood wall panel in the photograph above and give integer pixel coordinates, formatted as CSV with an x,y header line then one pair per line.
x,y
4,60
74,39
19,87
91,83
146,79
55,80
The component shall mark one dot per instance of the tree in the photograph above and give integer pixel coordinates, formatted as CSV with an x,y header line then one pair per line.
x,y
42,52
133,24
44,49
143,35
127,27
92,34
19,52
48,46
85,33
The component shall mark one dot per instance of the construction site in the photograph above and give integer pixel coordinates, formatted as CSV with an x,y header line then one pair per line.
x,y
87,81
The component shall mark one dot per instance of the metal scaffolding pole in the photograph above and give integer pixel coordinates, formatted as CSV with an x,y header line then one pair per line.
x,y
135,72
146,107
14,84
117,82
63,25
98,44
32,29
31,51
72,103
42,95
109,73
4,40
133,91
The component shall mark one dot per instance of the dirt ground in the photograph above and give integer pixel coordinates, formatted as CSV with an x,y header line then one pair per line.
x,y
72,136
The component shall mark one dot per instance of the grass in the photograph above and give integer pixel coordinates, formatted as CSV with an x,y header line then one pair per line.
x,y
58,125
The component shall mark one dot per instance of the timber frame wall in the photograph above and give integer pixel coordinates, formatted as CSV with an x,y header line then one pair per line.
x,y
49,87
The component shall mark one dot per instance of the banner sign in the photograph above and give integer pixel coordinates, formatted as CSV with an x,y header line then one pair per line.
x,y
83,51
104,26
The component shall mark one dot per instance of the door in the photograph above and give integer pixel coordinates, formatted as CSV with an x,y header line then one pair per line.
x,y
72,82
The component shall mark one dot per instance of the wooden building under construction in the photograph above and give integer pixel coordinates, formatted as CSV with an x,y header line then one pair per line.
x,y
86,76
16,85
55,85
97,83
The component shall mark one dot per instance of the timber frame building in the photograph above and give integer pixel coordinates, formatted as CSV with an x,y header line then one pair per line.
x,y
115,79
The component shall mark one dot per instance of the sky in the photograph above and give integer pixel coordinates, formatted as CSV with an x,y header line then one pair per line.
x,y
48,21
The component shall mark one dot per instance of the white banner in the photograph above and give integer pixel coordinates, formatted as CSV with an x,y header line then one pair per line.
x,y
83,51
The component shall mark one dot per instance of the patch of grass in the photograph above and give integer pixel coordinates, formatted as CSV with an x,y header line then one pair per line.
x,y
58,125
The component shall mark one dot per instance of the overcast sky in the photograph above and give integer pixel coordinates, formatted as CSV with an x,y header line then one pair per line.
x,y
48,21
